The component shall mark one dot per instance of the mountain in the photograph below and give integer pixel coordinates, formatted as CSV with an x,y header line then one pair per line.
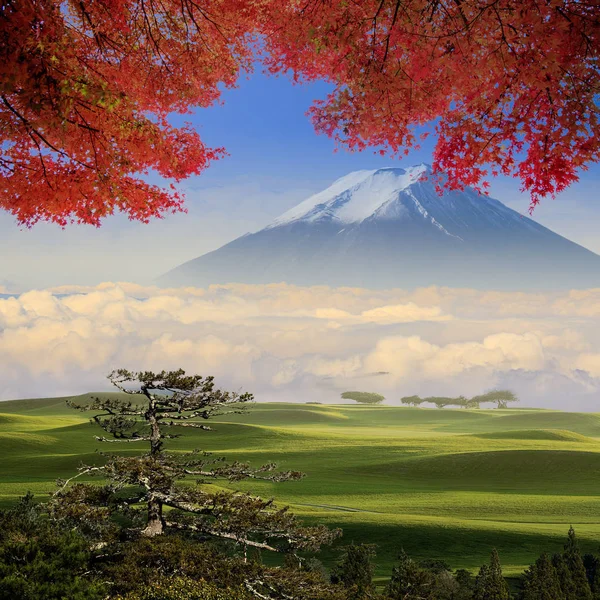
x,y
390,228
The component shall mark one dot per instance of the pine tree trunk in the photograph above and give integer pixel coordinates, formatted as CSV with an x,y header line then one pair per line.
x,y
150,416
155,525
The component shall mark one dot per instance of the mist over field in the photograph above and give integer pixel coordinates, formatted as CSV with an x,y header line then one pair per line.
x,y
290,343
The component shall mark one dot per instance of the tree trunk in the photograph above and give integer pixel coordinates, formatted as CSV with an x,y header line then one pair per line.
x,y
150,416
155,525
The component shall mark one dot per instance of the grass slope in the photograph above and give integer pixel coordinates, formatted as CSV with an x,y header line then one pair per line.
x,y
447,484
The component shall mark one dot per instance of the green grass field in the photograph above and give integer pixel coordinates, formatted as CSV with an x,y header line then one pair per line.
x,y
447,484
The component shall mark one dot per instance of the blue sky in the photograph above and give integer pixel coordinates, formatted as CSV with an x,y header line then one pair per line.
x,y
264,127
275,161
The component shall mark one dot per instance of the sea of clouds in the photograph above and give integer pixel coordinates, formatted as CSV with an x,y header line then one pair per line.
x,y
291,343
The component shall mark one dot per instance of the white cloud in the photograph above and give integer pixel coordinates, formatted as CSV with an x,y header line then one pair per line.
x,y
417,358
589,363
275,339
404,313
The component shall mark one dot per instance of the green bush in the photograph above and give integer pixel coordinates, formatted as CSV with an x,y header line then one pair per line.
x,y
184,588
163,558
39,560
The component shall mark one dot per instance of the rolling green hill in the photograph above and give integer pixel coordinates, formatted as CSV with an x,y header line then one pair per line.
x,y
447,484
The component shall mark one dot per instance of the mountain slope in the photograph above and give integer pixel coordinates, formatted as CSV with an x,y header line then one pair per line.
x,y
390,228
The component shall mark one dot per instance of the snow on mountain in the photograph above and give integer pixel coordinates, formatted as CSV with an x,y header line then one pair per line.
x,y
355,197
390,228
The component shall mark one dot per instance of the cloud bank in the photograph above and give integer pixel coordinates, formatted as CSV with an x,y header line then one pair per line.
x,y
291,343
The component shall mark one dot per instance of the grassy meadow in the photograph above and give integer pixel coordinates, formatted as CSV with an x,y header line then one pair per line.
x,y
447,484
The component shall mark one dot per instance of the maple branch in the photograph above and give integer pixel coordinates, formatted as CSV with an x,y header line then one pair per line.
x,y
203,13
462,14
32,129
88,18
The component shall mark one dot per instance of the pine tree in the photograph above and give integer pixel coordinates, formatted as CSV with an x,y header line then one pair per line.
x,y
592,569
498,586
574,563
540,581
145,489
466,585
490,583
409,581
482,583
564,577
355,570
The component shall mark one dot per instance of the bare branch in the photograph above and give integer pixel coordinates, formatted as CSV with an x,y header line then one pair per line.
x,y
222,534
63,483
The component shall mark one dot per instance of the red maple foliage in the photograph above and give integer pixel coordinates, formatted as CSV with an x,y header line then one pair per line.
x,y
85,94
513,85
87,87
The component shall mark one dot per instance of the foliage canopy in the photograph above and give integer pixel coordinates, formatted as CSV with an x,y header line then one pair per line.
x,y
87,88
363,397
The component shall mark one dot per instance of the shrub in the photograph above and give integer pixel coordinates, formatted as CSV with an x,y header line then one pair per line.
x,y
185,588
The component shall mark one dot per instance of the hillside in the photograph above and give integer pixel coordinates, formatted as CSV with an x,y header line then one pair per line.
x,y
442,483
390,228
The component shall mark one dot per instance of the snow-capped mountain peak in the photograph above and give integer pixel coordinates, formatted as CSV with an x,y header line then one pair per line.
x,y
354,197
390,228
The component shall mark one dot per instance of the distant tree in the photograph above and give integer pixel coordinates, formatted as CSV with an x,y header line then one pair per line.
x,y
574,563
473,403
363,397
490,583
499,397
354,570
461,402
165,401
541,582
441,402
412,400
409,581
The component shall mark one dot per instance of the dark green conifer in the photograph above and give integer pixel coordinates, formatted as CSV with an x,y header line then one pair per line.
x,y
574,563
540,581
592,570
498,586
490,583
466,583
564,577
355,570
409,581
482,583
41,560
